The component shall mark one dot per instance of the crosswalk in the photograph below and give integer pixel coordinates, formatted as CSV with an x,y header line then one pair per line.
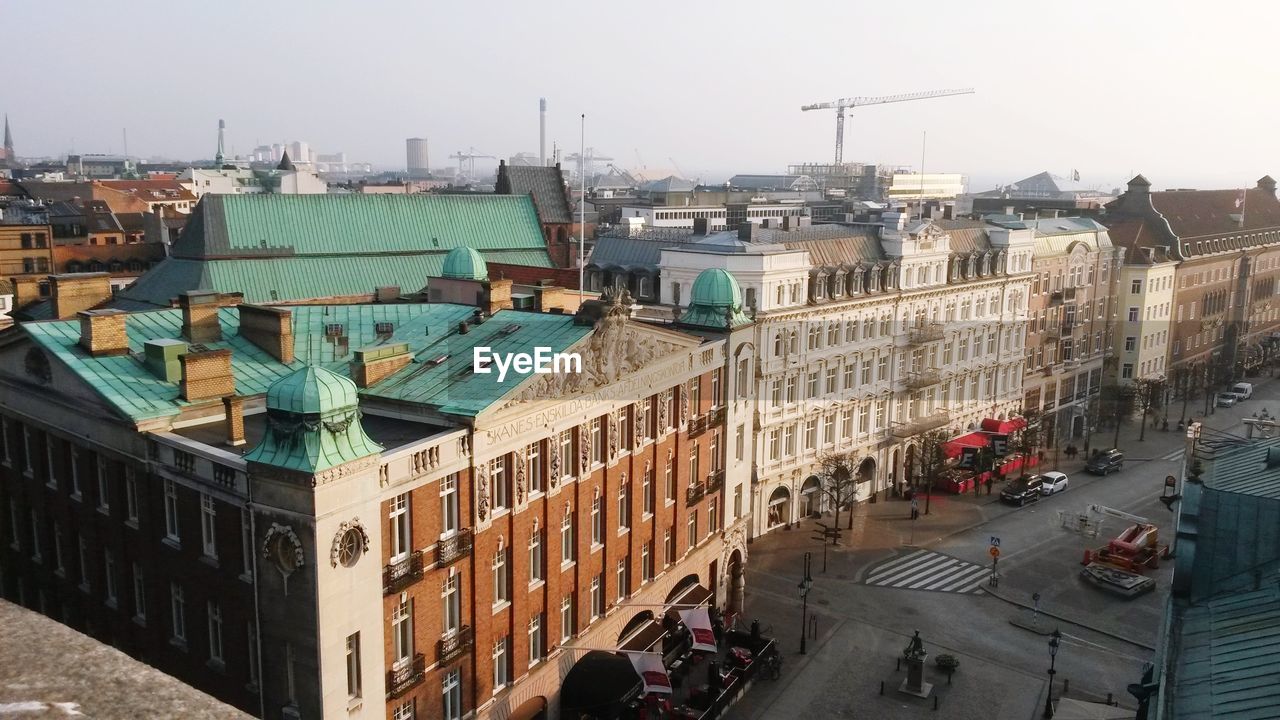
x,y
1175,456
928,570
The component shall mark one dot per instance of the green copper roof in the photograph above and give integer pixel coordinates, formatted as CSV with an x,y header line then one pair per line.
x,y
465,263
430,330
313,423
715,302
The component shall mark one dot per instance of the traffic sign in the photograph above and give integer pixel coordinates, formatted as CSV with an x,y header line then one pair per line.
x,y
995,551
995,541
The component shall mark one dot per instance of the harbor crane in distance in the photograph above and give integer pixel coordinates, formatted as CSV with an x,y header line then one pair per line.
x,y
468,159
843,104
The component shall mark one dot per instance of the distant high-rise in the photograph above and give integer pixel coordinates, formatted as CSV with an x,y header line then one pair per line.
x,y
416,156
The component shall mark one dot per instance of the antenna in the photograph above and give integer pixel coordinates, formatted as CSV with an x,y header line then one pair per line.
x,y
542,131
582,213
124,132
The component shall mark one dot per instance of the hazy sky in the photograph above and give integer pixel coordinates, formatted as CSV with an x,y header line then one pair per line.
x,y
1186,93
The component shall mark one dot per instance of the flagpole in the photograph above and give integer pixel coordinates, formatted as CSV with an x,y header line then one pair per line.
x,y
1244,201
582,209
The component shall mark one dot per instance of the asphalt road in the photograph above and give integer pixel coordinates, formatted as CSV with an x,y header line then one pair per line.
x,y
881,588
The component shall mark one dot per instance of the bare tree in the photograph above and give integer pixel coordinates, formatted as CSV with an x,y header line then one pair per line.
x,y
1027,440
837,475
1149,395
1118,405
931,458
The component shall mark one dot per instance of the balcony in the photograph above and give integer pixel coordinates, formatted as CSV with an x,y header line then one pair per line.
x,y
705,422
399,575
922,379
402,679
924,333
451,646
1052,331
450,549
715,481
694,493
921,425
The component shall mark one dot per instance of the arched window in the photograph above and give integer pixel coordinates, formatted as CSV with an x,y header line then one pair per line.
x,y
642,286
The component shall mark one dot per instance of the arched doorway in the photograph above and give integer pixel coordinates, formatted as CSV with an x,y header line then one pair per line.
x,y
811,497
779,508
866,474
737,583
895,477
909,467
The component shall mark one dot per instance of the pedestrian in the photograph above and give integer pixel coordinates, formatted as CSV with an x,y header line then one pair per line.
x,y
915,509
990,481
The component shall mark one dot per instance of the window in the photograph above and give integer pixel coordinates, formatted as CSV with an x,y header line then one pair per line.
x,y
716,388
57,550
624,505
646,562
451,695
50,462
533,467
882,369
740,442
353,666
791,388
178,612
566,535
35,534
693,529
535,554
402,632
1130,343
866,372
774,445
109,576
810,434
597,596
646,490
84,559
246,543
208,526
566,454
501,591
566,618
624,429
1135,286
829,429
131,495
811,386
597,442
624,584
695,396
713,515
668,547
401,529
74,461
850,369
501,664
694,453
215,633
597,520
535,640
451,597
498,481
1133,313
789,441
140,597
104,487
171,528
1126,371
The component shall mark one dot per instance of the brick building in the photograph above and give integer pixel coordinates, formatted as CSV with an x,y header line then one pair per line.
x,y
546,186
228,492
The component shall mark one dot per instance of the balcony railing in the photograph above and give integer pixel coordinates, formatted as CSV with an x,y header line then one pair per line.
x,y
694,493
715,481
450,549
924,333
449,647
398,575
705,422
401,679
922,425
1052,331
922,379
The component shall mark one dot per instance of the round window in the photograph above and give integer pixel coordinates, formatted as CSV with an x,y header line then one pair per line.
x,y
350,547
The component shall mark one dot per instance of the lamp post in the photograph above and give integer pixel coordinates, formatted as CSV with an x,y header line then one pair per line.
x,y
806,582
1054,641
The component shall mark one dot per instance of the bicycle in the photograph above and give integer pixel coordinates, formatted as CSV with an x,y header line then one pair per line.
x,y
772,669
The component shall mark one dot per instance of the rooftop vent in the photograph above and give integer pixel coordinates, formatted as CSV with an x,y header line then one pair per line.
x,y
1273,458
510,329
437,360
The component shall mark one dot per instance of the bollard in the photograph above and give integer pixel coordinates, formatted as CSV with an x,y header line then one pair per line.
x,y
949,678
935,703
1066,685
1088,557
882,687
1108,694
897,665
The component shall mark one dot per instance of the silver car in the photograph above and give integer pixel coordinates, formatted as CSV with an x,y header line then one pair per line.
x,y
1053,482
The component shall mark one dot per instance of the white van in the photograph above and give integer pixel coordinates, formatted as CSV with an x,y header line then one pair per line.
x,y
1243,390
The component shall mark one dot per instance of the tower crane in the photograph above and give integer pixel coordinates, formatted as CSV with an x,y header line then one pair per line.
x,y
845,103
469,157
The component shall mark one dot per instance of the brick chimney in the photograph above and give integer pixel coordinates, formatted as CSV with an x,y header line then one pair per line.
x,y
26,290
72,293
270,328
499,296
207,375
548,297
233,407
372,364
1267,184
102,332
200,316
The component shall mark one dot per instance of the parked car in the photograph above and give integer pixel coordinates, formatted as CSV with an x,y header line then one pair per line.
x,y
1242,390
1105,462
1023,490
1227,399
1053,482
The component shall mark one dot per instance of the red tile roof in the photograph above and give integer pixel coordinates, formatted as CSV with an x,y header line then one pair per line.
x,y
1208,213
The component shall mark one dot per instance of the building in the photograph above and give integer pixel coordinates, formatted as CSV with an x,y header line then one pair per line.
x,y
1226,244
546,186
1041,195
1070,311
416,158
1217,647
26,247
1146,285
320,511
8,158
906,187
718,217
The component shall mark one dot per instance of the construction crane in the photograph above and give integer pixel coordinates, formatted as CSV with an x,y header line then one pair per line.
x,y
469,157
845,103
587,162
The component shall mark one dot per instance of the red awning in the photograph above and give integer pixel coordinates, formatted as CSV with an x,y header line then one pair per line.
x,y
974,440
1003,427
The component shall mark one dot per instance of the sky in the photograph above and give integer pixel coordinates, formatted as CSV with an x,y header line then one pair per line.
x,y
1185,93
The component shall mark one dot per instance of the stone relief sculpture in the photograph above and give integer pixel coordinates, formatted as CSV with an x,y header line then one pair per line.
x,y
520,463
482,490
553,463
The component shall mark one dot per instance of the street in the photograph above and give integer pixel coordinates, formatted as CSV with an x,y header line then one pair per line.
x,y
888,579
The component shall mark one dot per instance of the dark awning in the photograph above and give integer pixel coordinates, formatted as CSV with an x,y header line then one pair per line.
x,y
644,638
601,684
694,595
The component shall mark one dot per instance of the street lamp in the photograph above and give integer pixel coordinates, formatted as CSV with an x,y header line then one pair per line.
x,y
1054,640
806,582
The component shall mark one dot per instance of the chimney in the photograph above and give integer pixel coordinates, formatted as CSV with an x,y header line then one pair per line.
x,y
701,226
206,375
200,316
747,231
233,408
372,364
548,297
26,290
164,358
499,296
1267,184
79,291
1008,209
102,332
270,328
